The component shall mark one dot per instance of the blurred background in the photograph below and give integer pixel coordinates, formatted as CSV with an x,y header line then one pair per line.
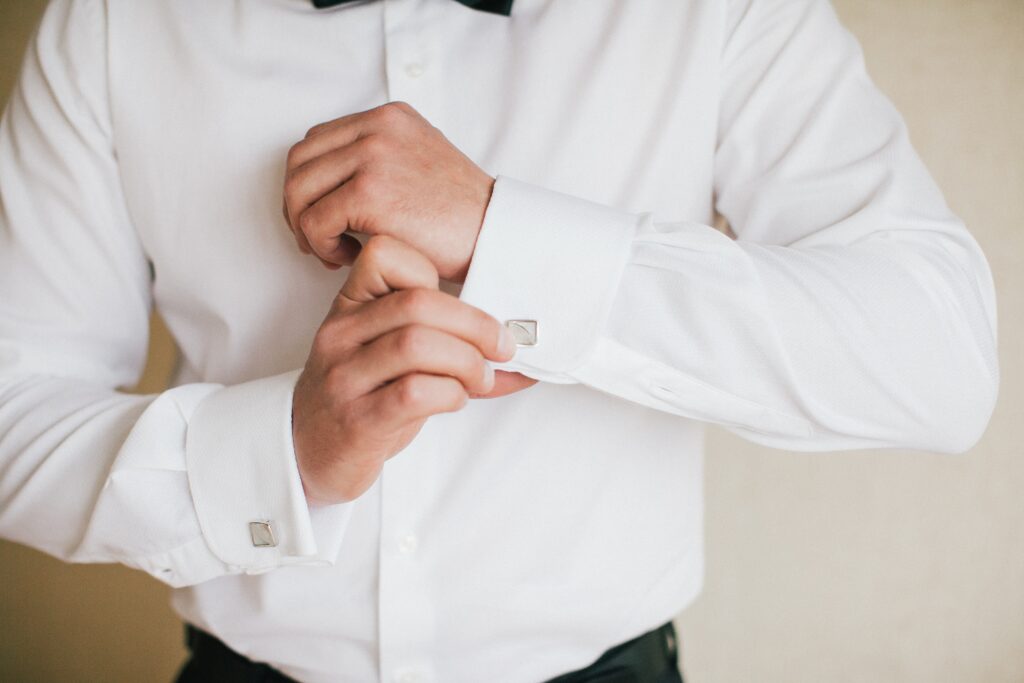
x,y
881,566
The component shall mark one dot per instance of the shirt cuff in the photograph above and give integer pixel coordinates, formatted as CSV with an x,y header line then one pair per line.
x,y
554,260
245,482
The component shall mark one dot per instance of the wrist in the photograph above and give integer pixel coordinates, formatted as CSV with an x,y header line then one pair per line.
x,y
482,201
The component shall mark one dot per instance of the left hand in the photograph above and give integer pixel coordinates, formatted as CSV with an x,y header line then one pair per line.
x,y
386,266
385,171
392,352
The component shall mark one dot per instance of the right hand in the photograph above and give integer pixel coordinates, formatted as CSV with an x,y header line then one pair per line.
x,y
393,351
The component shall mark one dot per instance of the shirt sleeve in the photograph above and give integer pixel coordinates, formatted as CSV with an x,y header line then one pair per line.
x,y
853,310
167,483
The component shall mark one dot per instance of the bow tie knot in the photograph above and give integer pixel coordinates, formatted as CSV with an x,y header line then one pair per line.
x,y
503,7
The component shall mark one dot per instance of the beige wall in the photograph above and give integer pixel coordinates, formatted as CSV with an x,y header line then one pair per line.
x,y
877,567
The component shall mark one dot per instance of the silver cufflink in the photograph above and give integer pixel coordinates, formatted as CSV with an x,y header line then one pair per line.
x,y
523,331
262,535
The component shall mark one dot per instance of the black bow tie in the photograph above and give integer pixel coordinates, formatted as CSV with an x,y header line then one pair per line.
x,y
496,6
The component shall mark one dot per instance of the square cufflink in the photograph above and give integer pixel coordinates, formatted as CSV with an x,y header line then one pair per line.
x,y
523,331
262,534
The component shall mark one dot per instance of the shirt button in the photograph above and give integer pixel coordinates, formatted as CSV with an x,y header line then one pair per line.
x,y
414,70
407,544
407,676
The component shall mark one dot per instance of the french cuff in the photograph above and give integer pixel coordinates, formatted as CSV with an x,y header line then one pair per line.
x,y
547,265
245,482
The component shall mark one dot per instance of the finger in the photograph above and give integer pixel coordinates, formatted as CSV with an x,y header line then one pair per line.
x,y
386,265
347,252
325,222
303,245
506,383
284,212
413,397
416,348
325,137
308,182
347,129
300,239
378,117
421,307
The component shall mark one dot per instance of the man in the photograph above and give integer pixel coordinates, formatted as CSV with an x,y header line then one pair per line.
x,y
322,483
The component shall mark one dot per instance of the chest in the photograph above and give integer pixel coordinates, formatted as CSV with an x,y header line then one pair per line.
x,y
615,102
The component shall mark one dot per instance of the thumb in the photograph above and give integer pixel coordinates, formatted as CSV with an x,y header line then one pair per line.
x,y
506,383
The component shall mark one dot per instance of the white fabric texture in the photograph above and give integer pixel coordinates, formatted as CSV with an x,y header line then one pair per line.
x,y
141,161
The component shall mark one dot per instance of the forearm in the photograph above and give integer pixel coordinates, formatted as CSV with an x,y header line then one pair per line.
x,y
860,336
884,343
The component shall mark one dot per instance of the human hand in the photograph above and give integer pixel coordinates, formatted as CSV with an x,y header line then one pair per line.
x,y
385,171
393,351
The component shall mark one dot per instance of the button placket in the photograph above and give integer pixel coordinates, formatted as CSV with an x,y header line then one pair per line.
x,y
407,676
411,59
406,610
405,600
407,544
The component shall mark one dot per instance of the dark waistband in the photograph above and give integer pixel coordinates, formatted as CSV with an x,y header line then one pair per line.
x,y
649,658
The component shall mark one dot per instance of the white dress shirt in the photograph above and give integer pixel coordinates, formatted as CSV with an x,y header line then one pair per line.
x,y
141,163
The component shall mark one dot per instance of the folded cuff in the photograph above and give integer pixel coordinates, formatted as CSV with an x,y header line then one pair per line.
x,y
242,471
552,259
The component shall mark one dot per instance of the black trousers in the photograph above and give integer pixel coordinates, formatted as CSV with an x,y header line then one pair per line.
x,y
650,658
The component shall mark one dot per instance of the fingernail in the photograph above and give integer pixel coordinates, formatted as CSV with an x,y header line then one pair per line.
x,y
506,343
488,377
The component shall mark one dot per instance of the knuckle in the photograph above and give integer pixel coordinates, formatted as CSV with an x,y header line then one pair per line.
x,y
325,341
308,221
412,391
315,130
455,396
361,185
336,381
416,303
392,112
468,362
343,304
476,365
375,250
292,186
375,145
320,348
412,341
488,331
295,154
